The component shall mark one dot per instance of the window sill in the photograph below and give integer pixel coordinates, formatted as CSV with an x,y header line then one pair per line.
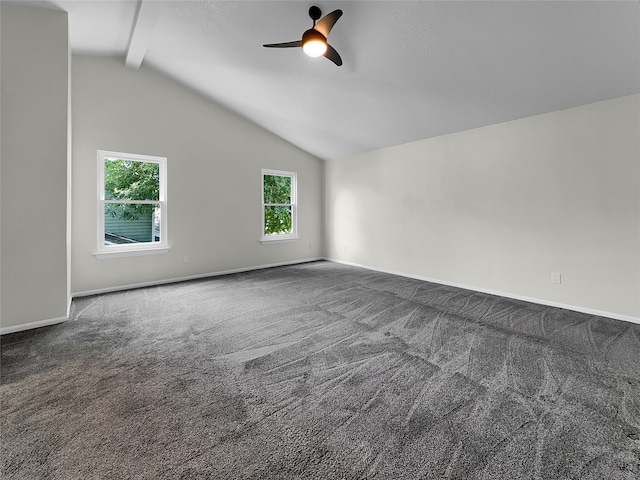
x,y
283,239
131,252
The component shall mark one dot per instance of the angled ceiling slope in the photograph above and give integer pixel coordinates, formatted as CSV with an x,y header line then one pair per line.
x,y
412,70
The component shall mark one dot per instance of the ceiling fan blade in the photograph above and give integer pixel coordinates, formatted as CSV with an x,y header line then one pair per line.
x,y
326,23
297,43
333,55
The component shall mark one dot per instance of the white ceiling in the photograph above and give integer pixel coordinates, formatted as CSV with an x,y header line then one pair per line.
x,y
412,70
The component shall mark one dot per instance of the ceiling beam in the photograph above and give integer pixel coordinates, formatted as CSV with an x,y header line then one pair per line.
x,y
148,12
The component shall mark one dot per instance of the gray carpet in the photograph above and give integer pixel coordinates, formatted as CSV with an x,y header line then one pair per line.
x,y
320,371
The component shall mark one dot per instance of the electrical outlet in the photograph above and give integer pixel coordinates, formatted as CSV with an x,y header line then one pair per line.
x,y
556,277
309,245
185,259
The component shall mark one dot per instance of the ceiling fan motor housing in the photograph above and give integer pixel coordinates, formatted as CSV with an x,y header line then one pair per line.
x,y
312,35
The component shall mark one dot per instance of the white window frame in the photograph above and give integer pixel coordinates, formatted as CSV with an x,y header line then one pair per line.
x,y
134,249
280,237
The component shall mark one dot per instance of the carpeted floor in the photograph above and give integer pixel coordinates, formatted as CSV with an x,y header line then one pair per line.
x,y
320,371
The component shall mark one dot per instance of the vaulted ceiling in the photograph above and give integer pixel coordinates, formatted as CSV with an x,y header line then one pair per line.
x,y
412,69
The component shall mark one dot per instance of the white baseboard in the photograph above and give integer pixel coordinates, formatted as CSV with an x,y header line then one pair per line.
x,y
575,308
53,321
189,277
29,326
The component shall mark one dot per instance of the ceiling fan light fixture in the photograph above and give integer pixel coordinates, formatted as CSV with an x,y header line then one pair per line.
x,y
314,44
314,48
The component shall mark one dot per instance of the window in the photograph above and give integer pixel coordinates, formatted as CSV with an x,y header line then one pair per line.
x,y
132,204
278,206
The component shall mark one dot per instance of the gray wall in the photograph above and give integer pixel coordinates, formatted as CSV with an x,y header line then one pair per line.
x,y
34,98
499,208
214,162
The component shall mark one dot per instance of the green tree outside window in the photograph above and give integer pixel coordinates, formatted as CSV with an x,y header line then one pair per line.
x,y
130,180
278,211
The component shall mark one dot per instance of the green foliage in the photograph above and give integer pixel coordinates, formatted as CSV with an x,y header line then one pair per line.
x,y
129,180
277,218
128,212
277,189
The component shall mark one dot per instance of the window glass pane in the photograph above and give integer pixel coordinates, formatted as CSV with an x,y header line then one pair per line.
x,y
277,220
277,189
131,180
125,224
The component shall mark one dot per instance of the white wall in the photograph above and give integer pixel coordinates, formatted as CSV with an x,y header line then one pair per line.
x,y
214,177
34,77
499,208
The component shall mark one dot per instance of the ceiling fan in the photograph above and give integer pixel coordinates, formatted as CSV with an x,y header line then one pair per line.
x,y
314,41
